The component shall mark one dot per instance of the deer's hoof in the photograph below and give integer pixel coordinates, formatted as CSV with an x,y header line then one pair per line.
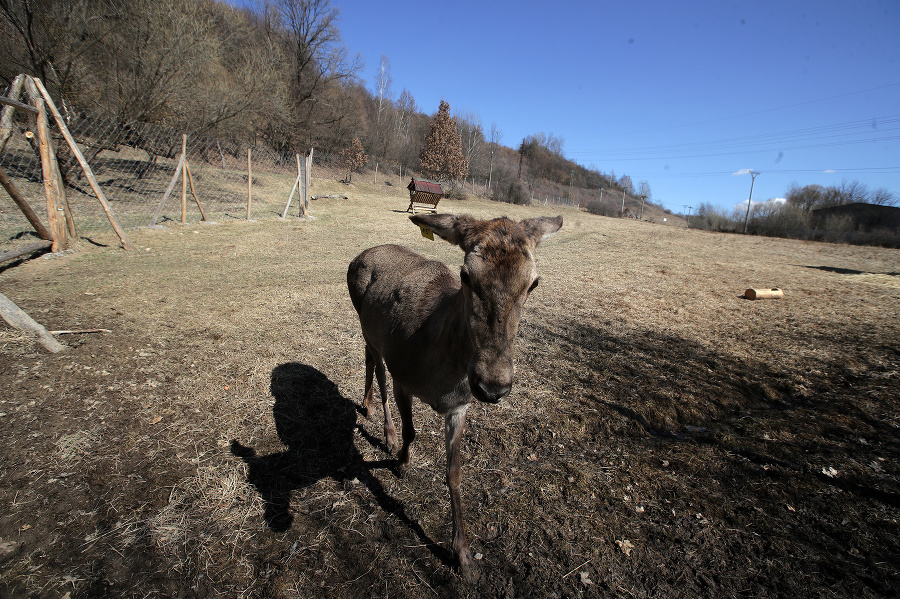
x,y
467,568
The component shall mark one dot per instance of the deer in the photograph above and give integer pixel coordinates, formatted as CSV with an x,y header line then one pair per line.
x,y
445,338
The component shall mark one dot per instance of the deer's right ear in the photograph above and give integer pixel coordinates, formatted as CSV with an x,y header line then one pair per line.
x,y
449,227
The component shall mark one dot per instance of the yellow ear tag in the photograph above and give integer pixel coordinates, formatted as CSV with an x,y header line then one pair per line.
x,y
426,232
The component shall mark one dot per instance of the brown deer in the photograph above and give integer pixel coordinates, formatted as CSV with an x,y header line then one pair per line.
x,y
445,338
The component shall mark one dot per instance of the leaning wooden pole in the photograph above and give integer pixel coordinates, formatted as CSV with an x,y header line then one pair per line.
x,y
194,193
88,173
168,190
23,205
17,318
15,92
293,189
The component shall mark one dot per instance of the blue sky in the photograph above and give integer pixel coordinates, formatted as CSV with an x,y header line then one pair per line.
x,y
680,94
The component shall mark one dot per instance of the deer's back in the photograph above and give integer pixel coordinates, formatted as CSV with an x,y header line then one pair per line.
x,y
404,302
397,283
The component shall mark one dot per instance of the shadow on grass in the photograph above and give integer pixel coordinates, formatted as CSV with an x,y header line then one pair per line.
x,y
317,425
675,389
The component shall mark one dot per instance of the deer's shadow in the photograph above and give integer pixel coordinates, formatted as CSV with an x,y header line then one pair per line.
x,y
317,425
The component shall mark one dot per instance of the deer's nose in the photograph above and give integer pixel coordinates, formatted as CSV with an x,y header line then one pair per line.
x,y
492,393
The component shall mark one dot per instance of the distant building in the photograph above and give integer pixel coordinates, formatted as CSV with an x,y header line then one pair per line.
x,y
867,217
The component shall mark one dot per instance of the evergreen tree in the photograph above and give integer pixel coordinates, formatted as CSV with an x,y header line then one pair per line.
x,y
442,157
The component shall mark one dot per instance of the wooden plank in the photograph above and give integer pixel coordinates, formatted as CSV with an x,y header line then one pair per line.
x,y
88,173
23,205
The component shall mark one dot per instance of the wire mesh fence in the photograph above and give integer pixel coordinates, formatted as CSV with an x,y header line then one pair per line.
x,y
134,165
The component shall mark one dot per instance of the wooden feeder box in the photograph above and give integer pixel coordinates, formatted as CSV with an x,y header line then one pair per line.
x,y
424,195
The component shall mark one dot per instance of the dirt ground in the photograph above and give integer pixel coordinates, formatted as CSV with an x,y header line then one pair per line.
x,y
664,438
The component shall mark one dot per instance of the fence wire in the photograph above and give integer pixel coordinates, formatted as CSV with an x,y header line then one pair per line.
x,y
134,163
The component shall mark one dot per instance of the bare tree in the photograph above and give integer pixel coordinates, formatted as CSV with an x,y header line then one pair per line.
x,y
383,85
49,38
319,60
471,134
883,197
496,135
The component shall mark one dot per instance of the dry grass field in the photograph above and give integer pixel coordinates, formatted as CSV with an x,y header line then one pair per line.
x,y
664,438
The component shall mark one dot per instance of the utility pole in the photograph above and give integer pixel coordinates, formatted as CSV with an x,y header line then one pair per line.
x,y
572,187
643,197
753,175
623,202
687,221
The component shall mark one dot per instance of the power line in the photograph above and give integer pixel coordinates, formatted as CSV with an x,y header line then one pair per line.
x,y
744,115
862,127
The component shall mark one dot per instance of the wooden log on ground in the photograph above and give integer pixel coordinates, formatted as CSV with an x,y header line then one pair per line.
x,y
17,318
22,251
755,294
23,205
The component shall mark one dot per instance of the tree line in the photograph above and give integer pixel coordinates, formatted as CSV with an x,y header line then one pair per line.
x,y
273,72
277,73
804,213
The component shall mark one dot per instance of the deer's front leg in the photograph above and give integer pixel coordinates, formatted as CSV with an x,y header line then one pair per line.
x,y
454,423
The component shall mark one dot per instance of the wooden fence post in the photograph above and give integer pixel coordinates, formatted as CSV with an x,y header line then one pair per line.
x,y
184,179
308,178
57,230
84,166
249,183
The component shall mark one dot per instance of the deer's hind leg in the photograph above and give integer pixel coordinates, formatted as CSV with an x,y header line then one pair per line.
x,y
375,366
404,404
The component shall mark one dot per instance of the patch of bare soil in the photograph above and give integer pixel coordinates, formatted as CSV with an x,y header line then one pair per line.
x,y
665,437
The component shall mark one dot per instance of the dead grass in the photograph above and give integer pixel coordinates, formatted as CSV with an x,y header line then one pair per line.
x,y
665,436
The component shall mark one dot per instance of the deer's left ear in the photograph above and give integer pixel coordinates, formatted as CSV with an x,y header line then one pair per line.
x,y
539,229
449,227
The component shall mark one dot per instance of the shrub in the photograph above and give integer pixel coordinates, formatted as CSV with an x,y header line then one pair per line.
x,y
513,193
602,208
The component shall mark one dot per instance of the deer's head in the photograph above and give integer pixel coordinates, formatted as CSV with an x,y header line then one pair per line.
x,y
497,276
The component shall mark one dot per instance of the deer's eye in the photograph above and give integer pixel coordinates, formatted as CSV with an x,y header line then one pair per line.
x,y
533,285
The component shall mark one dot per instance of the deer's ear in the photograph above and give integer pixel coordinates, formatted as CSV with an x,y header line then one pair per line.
x,y
539,229
449,227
